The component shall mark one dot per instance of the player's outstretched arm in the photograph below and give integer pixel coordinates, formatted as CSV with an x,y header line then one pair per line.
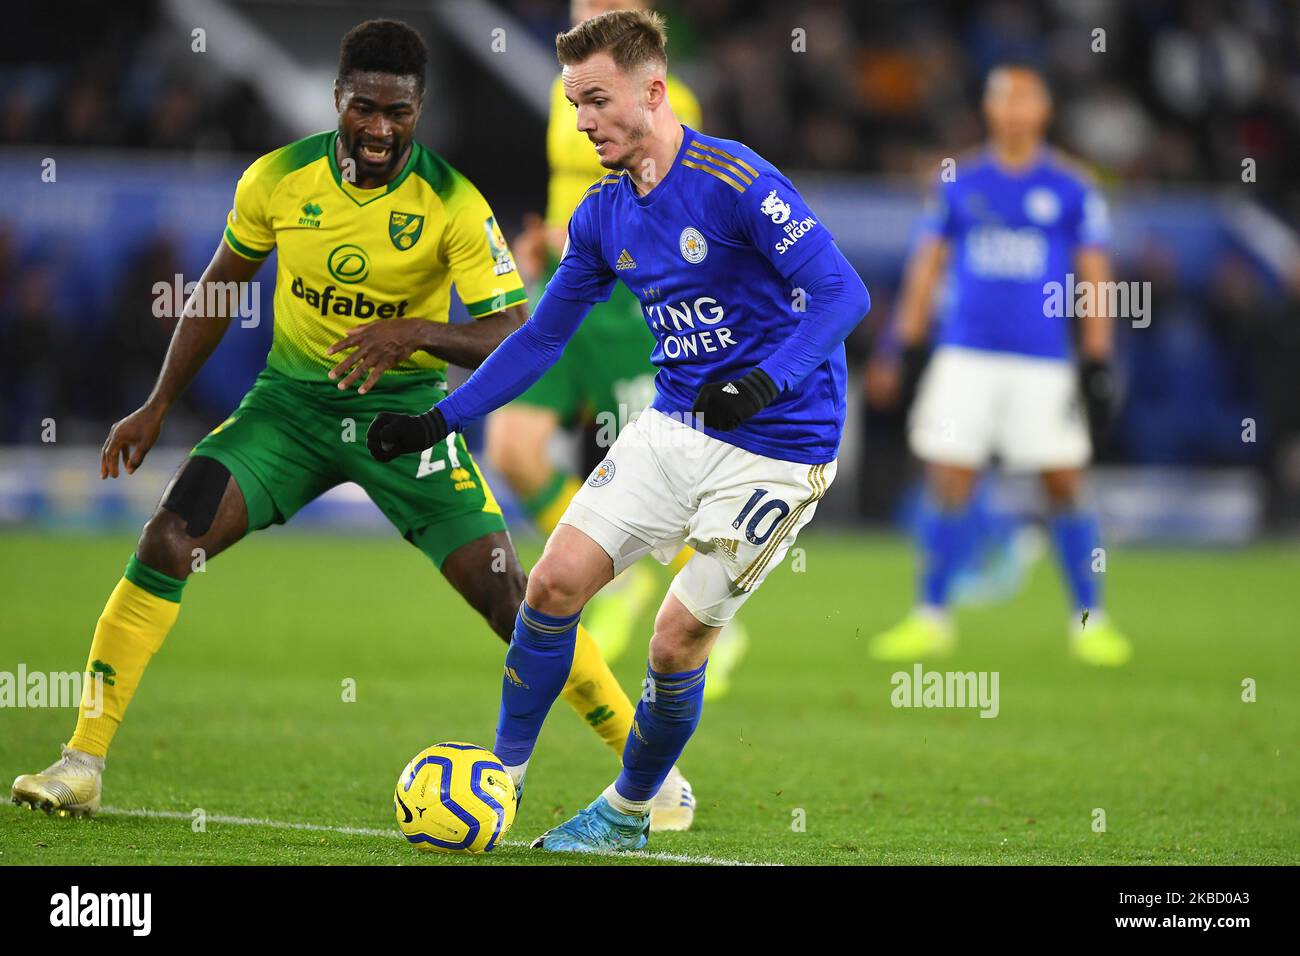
x,y
505,375
195,338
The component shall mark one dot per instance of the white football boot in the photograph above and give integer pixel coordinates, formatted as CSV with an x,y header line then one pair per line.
x,y
674,806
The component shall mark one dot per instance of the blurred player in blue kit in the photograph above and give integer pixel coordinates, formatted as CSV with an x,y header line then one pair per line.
x,y
1015,224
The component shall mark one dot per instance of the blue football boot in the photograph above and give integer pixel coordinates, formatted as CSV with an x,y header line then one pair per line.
x,y
597,829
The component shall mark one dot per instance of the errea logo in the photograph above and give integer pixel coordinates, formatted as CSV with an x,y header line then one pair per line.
x,y
310,215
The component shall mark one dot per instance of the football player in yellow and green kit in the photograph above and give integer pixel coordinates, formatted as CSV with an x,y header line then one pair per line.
x,y
372,230
603,377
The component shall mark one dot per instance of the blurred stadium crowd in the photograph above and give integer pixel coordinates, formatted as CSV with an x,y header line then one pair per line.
x,y
1184,91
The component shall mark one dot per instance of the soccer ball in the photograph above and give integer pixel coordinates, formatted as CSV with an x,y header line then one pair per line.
x,y
454,798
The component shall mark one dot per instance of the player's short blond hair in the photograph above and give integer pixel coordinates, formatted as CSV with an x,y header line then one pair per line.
x,y
633,38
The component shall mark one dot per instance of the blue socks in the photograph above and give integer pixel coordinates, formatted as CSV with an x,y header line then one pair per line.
x,y
537,666
666,716
1075,534
946,537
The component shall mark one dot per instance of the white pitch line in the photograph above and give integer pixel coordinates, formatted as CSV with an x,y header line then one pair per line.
x,y
145,812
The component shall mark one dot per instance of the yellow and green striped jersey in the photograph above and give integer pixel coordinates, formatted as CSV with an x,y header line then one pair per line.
x,y
572,158
348,256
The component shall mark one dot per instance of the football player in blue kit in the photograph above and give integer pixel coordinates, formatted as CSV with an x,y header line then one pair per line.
x,y
1016,224
749,300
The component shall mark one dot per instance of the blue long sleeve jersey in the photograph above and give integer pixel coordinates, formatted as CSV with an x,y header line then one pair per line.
x,y
733,271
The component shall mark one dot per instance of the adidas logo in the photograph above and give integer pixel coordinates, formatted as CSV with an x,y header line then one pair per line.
x,y
625,261
727,546
730,389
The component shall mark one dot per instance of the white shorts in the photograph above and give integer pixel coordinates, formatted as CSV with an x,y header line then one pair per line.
x,y
665,485
971,404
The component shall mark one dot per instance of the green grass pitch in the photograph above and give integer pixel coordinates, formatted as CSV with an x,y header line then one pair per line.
x,y
241,714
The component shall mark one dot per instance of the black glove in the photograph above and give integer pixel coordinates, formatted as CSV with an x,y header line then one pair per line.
x,y
1098,387
911,365
391,434
724,405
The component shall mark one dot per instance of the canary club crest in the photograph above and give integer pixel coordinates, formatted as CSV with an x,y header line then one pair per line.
x,y
404,229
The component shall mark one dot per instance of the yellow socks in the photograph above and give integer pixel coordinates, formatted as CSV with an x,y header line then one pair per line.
x,y
593,692
139,613
546,508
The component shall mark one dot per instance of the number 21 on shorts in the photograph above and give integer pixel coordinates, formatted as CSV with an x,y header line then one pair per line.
x,y
428,466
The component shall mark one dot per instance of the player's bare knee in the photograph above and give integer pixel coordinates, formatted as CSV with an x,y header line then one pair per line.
x,y
164,545
951,488
498,451
553,587
672,652
1062,488
505,456
681,641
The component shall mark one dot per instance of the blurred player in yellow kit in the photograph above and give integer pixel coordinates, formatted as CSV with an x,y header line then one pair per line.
x,y
603,379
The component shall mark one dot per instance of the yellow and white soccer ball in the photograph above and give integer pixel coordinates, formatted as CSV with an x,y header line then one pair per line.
x,y
454,798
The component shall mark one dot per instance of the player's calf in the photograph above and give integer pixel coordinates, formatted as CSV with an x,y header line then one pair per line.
x,y
486,573
139,614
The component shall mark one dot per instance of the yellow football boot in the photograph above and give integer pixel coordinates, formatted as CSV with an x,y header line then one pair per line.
x,y
923,633
1099,643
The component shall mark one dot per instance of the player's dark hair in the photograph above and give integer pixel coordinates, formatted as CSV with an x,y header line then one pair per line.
x,y
383,46
1024,64
632,37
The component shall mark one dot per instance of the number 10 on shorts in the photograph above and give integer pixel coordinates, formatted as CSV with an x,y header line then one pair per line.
x,y
774,507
